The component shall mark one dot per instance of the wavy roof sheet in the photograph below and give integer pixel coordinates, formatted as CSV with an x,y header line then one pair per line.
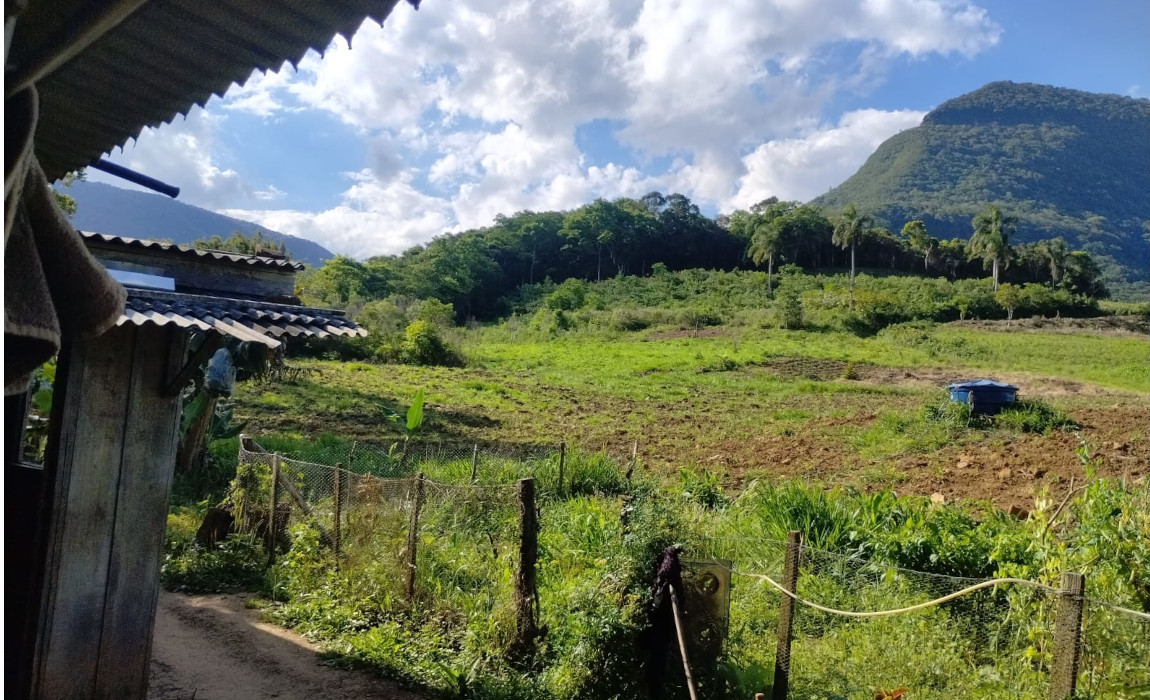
x,y
163,59
188,252
250,321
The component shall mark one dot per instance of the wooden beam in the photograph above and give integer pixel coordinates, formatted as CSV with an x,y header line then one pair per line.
x,y
83,507
151,434
111,466
197,361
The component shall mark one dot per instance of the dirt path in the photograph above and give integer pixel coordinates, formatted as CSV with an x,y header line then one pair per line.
x,y
213,647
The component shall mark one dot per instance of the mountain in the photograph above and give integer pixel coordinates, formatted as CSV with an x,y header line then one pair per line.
x,y
1064,162
106,209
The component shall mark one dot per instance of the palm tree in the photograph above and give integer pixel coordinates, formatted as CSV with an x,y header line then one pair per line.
x,y
991,239
849,229
764,244
1056,254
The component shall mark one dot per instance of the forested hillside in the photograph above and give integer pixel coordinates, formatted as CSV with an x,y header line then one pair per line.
x,y
485,273
1064,162
115,211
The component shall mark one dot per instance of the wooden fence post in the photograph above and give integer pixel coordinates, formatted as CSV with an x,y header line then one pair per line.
x,y
413,537
786,617
1067,636
562,463
525,574
274,507
336,507
474,463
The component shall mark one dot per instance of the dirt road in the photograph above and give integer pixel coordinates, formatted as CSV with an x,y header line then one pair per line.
x,y
214,648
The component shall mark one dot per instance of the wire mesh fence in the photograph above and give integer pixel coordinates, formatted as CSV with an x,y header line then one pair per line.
x,y
448,548
444,518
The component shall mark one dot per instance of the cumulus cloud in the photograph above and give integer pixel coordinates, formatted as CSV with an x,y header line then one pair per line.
x,y
467,110
187,153
804,167
374,217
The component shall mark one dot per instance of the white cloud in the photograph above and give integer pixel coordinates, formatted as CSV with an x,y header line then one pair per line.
x,y
467,110
187,153
270,194
374,217
803,168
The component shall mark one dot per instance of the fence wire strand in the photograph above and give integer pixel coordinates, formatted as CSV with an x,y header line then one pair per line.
x,y
859,626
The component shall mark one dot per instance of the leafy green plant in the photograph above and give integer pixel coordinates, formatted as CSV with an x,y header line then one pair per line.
x,y
702,488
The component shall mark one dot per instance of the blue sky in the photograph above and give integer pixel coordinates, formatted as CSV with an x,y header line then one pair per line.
x,y
447,116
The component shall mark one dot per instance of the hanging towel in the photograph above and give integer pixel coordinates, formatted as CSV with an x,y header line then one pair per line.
x,y
54,290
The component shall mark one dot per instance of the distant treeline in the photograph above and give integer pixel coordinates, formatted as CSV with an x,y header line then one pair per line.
x,y
479,272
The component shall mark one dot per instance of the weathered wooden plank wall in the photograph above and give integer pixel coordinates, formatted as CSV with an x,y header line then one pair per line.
x,y
105,536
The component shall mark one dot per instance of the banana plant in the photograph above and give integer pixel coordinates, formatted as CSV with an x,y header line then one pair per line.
x,y
410,424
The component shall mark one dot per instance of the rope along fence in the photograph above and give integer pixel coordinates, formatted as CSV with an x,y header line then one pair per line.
x,y
845,627
804,622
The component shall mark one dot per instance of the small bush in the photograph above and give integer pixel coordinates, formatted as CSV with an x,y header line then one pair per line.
x,y
631,320
235,564
1034,416
789,310
723,364
422,345
702,488
569,296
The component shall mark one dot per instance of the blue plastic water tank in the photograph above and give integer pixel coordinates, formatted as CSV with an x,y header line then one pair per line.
x,y
985,396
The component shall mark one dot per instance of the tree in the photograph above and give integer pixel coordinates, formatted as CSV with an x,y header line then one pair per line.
x,y
255,244
991,239
920,241
1055,253
67,202
1009,297
1083,276
336,283
764,245
849,227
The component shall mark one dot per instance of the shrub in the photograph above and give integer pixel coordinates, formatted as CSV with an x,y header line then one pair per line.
x,y
789,310
235,564
631,320
1034,416
702,488
549,322
422,345
568,296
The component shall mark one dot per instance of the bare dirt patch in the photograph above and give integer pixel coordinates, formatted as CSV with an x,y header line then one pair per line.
x,y
1102,325
214,648
832,370
712,332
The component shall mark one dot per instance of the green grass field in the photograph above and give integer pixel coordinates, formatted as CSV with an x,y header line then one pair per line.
x,y
743,434
823,406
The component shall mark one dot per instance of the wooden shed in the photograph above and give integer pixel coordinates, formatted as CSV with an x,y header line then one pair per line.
x,y
85,531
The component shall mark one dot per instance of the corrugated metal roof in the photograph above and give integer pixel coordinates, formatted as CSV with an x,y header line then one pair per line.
x,y
250,321
164,58
189,252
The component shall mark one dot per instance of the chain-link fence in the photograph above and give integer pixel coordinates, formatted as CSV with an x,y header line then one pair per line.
x,y
445,519
447,547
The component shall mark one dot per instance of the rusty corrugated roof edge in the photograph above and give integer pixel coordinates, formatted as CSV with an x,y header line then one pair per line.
x,y
189,252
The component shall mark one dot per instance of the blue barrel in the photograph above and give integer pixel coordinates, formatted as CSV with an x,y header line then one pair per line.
x,y
985,396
